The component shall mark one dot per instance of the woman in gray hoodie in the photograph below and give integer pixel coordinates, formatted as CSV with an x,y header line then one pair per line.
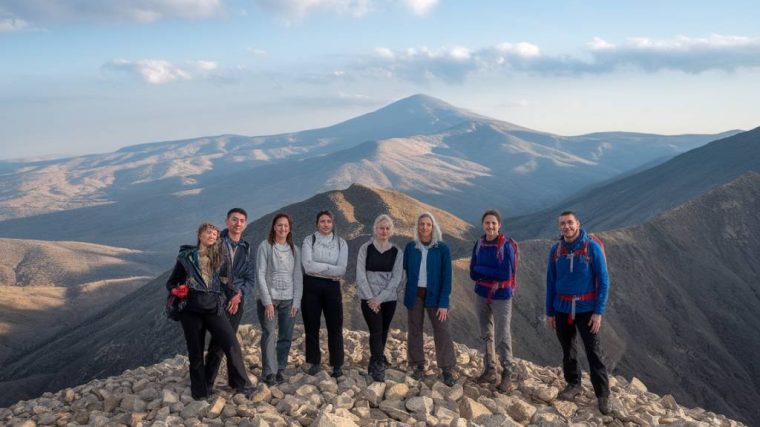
x,y
279,289
379,268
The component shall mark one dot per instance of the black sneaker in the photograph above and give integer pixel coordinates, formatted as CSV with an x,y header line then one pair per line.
x,y
448,378
337,372
605,405
418,373
279,378
313,369
570,391
270,380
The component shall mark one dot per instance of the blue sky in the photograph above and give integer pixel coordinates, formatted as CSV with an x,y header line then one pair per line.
x,y
84,76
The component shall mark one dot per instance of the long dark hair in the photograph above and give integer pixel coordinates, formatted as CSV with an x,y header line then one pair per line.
x,y
214,251
288,239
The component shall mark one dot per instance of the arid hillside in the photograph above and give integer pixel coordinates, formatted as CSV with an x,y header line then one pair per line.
x,y
50,287
668,321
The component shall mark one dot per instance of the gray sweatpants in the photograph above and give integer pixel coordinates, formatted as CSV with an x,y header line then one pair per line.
x,y
495,321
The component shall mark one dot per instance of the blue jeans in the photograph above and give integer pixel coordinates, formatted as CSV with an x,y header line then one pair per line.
x,y
274,354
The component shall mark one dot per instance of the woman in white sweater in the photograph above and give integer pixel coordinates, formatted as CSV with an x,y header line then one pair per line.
x,y
279,288
325,257
379,268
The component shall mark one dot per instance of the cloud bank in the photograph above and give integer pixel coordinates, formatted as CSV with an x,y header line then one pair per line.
x,y
454,64
89,11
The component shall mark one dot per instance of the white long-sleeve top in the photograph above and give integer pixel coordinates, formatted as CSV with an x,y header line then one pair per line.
x,y
324,256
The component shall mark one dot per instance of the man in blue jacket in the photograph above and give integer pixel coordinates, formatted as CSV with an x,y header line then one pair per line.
x,y
576,293
237,281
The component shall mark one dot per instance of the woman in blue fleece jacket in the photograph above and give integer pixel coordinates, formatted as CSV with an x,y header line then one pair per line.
x,y
427,262
493,266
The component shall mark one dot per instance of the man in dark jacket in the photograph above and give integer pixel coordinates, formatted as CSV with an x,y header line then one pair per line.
x,y
577,285
237,281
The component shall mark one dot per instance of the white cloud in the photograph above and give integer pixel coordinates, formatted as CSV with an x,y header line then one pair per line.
x,y
297,9
153,71
8,25
141,11
257,52
421,7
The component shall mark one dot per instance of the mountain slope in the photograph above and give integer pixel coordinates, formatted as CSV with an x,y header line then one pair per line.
x,y
681,313
639,197
49,287
421,145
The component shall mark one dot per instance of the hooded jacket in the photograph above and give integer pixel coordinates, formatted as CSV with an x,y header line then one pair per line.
x,y
203,297
577,275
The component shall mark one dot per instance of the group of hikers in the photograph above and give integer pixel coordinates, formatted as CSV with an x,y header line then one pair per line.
x,y
212,281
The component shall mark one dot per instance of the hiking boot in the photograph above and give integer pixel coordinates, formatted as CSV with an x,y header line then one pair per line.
x,y
570,391
605,405
448,378
247,391
418,373
270,380
506,381
337,372
279,378
313,369
488,376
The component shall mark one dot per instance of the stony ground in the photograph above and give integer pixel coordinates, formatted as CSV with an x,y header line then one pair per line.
x,y
159,395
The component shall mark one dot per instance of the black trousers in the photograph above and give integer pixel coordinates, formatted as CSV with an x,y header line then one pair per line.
x,y
322,295
378,324
195,326
567,339
215,353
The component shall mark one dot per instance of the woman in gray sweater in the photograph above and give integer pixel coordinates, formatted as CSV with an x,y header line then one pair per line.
x,y
379,268
279,288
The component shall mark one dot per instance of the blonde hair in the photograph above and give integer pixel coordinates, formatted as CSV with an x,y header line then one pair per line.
x,y
214,251
380,218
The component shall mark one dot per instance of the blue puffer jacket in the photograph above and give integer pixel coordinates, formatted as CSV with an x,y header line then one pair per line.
x,y
438,275
572,275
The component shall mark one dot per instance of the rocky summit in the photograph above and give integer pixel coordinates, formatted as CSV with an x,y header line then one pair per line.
x,y
159,395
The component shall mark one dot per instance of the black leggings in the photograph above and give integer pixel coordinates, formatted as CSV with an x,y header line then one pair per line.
x,y
320,295
195,326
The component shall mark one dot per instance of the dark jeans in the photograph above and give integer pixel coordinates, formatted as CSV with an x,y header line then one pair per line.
x,y
567,339
444,346
378,323
322,295
215,352
195,326
275,349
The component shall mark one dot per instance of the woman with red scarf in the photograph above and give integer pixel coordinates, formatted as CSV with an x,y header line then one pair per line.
x,y
493,266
